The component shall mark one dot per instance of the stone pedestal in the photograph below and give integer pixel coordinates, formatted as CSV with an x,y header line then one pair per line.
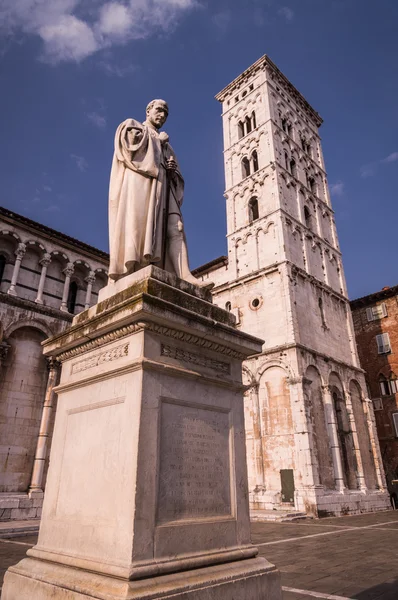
x,y
146,494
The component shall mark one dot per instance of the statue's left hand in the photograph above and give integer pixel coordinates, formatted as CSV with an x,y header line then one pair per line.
x,y
171,165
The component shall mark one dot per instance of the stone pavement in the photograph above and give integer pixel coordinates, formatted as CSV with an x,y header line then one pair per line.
x,y
335,558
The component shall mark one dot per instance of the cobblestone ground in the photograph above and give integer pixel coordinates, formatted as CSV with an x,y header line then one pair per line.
x,y
336,559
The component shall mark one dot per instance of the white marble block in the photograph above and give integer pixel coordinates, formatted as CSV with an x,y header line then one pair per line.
x,y
147,491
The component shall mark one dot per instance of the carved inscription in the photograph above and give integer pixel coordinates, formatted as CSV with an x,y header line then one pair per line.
x,y
194,479
197,359
98,359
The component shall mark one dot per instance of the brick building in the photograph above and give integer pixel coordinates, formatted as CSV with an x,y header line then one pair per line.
x,y
376,330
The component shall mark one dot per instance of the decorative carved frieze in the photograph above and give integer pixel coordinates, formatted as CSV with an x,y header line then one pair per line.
x,y
197,359
107,356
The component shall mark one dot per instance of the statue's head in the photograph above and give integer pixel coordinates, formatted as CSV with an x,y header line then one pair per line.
x,y
157,112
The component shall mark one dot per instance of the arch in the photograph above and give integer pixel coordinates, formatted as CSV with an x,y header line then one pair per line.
x,y
21,400
359,411
344,432
228,306
245,167
36,244
253,209
41,326
313,395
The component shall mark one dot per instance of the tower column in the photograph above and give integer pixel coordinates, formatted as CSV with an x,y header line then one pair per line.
x,y
45,261
68,274
371,423
357,449
334,439
36,483
90,280
19,253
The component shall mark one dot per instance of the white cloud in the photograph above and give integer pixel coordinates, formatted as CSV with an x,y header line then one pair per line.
x,y
287,13
337,189
70,34
391,157
97,119
116,69
80,161
368,170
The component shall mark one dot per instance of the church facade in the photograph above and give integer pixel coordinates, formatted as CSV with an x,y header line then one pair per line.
x,y
45,278
310,431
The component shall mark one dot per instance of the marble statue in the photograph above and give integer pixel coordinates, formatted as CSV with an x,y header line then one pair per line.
x,y
145,197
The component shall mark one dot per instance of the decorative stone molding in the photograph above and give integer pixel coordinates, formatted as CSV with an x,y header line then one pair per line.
x,y
197,359
107,356
100,341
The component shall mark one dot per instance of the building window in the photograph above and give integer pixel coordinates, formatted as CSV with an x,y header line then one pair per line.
x,y
376,312
303,144
286,161
307,217
245,167
320,304
2,266
71,303
228,306
289,129
383,343
388,386
241,130
377,404
254,123
311,184
293,167
253,210
395,421
248,122
255,161
284,125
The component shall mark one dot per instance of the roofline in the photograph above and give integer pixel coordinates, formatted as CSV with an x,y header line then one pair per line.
x,y
263,62
221,261
375,297
6,213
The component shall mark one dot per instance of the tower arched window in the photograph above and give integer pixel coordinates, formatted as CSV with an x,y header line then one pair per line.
x,y
241,130
284,124
245,167
307,217
253,210
293,167
228,306
248,124
320,304
72,295
286,161
2,266
254,123
255,161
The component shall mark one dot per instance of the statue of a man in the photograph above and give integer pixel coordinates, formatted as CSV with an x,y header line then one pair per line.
x,y
145,197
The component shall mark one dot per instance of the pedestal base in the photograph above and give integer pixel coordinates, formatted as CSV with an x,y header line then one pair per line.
x,y
252,579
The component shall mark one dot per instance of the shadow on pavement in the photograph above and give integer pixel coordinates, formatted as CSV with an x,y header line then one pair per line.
x,y
384,591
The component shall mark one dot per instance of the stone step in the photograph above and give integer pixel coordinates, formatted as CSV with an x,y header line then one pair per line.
x,y
279,516
10,529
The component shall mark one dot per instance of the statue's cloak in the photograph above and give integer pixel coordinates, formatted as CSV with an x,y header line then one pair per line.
x,y
137,197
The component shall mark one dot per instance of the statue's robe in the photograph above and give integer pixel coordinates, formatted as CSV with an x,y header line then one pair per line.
x,y
137,197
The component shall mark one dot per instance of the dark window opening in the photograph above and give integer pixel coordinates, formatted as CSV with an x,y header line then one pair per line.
x,y
303,144
255,161
228,306
293,167
286,161
241,130
2,266
388,386
254,120
72,295
248,124
245,167
253,210
320,304
289,129
307,217
284,125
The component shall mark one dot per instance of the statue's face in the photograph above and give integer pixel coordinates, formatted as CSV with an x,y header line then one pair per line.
x,y
157,115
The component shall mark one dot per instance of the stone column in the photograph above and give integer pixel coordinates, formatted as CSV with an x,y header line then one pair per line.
x,y
68,274
333,439
45,261
19,253
36,483
253,391
90,280
357,449
371,423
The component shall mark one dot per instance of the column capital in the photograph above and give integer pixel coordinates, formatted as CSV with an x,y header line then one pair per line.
x,y
20,251
90,277
52,363
45,261
69,269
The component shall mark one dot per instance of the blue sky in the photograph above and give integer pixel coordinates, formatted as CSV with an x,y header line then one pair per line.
x,y
72,70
